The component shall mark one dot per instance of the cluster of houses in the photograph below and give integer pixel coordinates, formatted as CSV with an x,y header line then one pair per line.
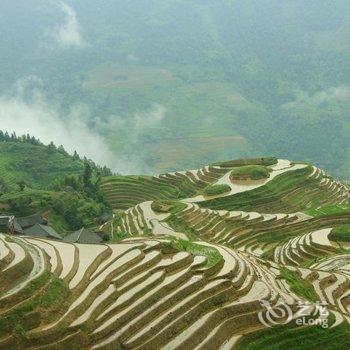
x,y
37,226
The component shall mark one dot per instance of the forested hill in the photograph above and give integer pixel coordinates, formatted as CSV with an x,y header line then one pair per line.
x,y
46,180
25,161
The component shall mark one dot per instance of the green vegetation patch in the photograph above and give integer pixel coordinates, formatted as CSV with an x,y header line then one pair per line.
x,y
280,236
274,196
46,180
294,337
65,210
215,190
119,236
181,226
268,254
123,192
299,286
167,206
253,172
328,210
212,255
341,233
26,162
73,201
55,293
249,161
34,165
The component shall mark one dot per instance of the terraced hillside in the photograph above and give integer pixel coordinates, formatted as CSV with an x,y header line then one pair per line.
x,y
123,192
188,271
289,188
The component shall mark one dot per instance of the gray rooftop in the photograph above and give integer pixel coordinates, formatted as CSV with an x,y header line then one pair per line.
x,y
84,236
31,220
42,231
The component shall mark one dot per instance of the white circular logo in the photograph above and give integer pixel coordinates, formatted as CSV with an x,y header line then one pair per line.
x,y
279,314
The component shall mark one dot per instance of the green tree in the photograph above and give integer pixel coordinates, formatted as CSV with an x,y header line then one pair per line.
x,y
22,185
21,206
51,148
87,176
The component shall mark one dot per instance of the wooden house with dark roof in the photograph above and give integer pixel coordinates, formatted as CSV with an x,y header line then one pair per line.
x,y
17,228
9,224
43,231
28,221
5,223
83,236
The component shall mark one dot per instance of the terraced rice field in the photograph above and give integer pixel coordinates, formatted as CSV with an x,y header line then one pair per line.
x,y
196,275
123,192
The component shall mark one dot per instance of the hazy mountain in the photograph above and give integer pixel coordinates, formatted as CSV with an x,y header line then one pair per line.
x,y
163,85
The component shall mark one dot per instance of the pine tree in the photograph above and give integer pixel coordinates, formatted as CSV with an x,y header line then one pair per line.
x,y
62,150
51,147
76,155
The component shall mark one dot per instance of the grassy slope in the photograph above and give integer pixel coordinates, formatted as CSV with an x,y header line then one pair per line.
x,y
297,338
255,172
328,210
54,296
289,192
212,255
341,233
38,166
216,189
34,164
235,94
299,286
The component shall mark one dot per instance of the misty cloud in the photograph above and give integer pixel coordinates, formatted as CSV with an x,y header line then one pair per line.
x,y
68,34
339,93
141,119
137,123
28,110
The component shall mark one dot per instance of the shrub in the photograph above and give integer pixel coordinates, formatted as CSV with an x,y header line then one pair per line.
x,y
106,237
253,172
161,206
341,233
167,206
298,285
214,190
76,210
212,255
250,161
118,236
